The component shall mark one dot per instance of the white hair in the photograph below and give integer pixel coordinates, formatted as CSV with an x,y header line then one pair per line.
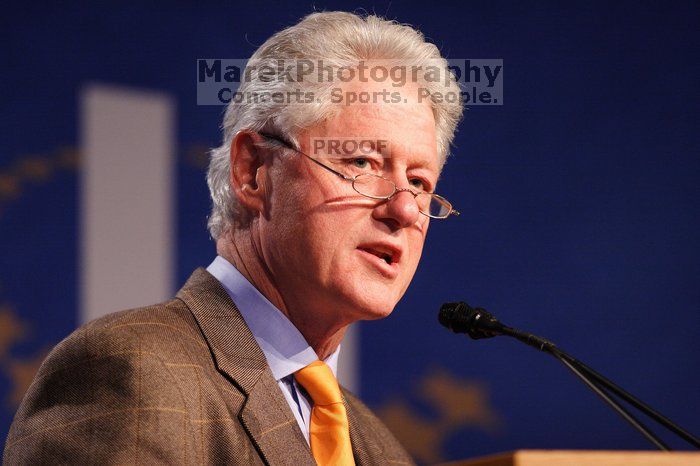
x,y
339,38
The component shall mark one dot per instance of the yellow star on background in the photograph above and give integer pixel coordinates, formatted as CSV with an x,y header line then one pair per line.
x,y
22,373
457,404
12,330
422,438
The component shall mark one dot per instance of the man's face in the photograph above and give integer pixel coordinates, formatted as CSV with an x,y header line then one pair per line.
x,y
325,245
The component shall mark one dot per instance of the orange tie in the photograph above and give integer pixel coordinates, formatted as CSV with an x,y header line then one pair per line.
x,y
330,432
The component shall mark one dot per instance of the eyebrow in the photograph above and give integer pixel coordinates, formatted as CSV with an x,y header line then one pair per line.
x,y
358,151
412,164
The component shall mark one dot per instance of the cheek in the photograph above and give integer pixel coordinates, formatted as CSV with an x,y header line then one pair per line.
x,y
416,241
281,228
306,239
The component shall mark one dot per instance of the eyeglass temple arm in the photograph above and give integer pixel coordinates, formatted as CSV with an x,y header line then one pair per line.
x,y
289,145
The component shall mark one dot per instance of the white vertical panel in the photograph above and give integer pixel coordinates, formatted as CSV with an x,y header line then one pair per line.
x,y
127,143
349,360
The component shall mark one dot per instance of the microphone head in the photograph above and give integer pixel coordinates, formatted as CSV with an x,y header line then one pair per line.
x,y
460,317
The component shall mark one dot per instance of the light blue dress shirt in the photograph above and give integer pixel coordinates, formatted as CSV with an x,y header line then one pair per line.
x,y
283,345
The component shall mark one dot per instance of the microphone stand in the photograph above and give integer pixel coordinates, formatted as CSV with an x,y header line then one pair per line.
x,y
599,384
629,398
626,415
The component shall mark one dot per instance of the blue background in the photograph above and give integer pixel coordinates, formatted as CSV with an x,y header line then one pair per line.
x,y
579,197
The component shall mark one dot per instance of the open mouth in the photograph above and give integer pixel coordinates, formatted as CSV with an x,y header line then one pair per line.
x,y
385,257
386,254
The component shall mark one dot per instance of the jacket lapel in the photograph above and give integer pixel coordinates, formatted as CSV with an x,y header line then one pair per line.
x,y
365,448
266,416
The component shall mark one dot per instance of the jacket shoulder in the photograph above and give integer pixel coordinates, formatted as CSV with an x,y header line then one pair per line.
x,y
109,375
153,331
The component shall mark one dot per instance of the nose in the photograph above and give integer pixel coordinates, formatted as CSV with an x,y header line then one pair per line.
x,y
401,210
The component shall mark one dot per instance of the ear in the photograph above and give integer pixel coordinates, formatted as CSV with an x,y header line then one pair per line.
x,y
248,171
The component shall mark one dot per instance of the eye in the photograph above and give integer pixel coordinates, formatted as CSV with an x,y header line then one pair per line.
x,y
419,184
360,162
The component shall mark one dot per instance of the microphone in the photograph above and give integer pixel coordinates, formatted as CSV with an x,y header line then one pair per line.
x,y
478,323
462,318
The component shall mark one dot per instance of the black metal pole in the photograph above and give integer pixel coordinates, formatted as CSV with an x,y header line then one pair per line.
x,y
629,398
615,405
594,379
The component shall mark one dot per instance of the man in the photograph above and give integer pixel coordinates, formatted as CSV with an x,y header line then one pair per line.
x,y
239,367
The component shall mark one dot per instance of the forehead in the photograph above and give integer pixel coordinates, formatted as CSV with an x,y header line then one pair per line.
x,y
393,118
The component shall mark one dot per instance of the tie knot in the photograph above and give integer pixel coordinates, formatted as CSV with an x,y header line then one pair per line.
x,y
318,380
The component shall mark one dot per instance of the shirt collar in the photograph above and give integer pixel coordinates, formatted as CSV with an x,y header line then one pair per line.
x,y
284,347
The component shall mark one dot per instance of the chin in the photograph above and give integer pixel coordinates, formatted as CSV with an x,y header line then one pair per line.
x,y
366,295
373,304
376,315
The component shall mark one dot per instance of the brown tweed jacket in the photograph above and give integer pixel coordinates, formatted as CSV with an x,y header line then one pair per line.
x,y
181,382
